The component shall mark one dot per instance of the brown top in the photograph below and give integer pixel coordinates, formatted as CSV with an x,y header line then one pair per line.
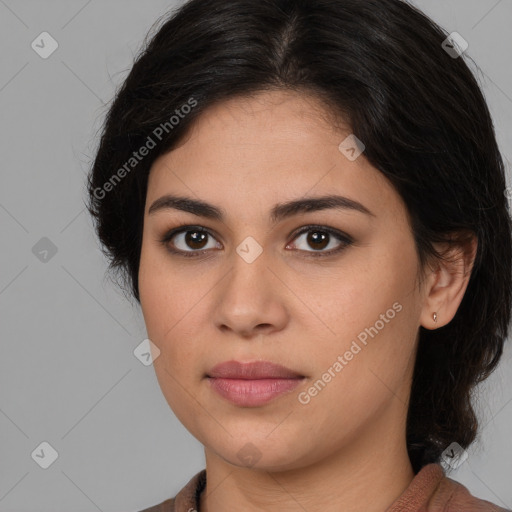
x,y
429,491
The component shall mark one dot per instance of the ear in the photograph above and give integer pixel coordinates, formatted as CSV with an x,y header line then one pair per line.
x,y
447,282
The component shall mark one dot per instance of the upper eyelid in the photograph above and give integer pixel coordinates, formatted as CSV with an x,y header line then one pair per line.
x,y
341,236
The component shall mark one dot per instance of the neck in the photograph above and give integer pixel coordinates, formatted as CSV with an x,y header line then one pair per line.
x,y
367,474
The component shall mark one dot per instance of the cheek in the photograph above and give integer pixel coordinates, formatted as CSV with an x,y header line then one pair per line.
x,y
163,309
354,382
364,298
373,313
161,293
171,302
153,299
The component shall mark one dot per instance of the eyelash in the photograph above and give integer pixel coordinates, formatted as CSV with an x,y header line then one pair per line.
x,y
345,239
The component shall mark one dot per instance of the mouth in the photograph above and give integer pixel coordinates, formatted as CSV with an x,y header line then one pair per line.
x,y
252,384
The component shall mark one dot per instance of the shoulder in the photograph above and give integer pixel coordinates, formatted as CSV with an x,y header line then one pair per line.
x,y
452,496
165,506
187,499
432,491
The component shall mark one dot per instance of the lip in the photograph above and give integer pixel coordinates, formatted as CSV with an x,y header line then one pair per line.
x,y
252,384
252,370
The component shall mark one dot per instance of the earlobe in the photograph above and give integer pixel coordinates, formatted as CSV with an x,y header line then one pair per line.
x,y
449,283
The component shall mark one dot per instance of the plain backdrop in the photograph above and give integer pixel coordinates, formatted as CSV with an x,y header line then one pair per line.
x,y
68,373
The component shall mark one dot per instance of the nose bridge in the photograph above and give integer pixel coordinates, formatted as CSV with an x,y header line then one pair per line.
x,y
249,275
250,298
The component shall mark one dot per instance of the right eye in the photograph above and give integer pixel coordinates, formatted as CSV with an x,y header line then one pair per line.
x,y
189,237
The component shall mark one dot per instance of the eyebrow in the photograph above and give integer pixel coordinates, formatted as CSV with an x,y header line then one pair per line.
x,y
279,212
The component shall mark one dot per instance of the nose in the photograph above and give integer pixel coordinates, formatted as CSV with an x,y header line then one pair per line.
x,y
251,300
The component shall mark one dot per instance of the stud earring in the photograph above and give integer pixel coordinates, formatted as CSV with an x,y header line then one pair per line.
x,y
435,317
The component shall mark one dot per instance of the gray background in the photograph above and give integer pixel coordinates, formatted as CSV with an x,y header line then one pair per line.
x,y
68,375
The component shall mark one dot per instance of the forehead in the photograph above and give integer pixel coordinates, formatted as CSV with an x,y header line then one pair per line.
x,y
270,119
266,149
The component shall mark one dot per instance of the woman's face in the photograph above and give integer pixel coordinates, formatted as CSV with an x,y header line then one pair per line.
x,y
336,304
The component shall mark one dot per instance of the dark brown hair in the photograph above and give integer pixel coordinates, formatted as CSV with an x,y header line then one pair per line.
x,y
380,66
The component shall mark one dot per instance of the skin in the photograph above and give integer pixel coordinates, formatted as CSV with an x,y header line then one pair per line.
x,y
346,448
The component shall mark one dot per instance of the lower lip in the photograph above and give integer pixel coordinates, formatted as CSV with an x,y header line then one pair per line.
x,y
252,393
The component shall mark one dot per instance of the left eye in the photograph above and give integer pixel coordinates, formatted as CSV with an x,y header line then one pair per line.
x,y
196,238
321,238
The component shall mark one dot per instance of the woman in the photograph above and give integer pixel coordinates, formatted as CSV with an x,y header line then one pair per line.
x,y
308,201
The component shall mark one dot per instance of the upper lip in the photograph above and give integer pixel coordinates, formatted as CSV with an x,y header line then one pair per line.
x,y
252,370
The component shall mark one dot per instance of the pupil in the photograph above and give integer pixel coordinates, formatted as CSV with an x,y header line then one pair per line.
x,y
317,237
192,241
314,238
